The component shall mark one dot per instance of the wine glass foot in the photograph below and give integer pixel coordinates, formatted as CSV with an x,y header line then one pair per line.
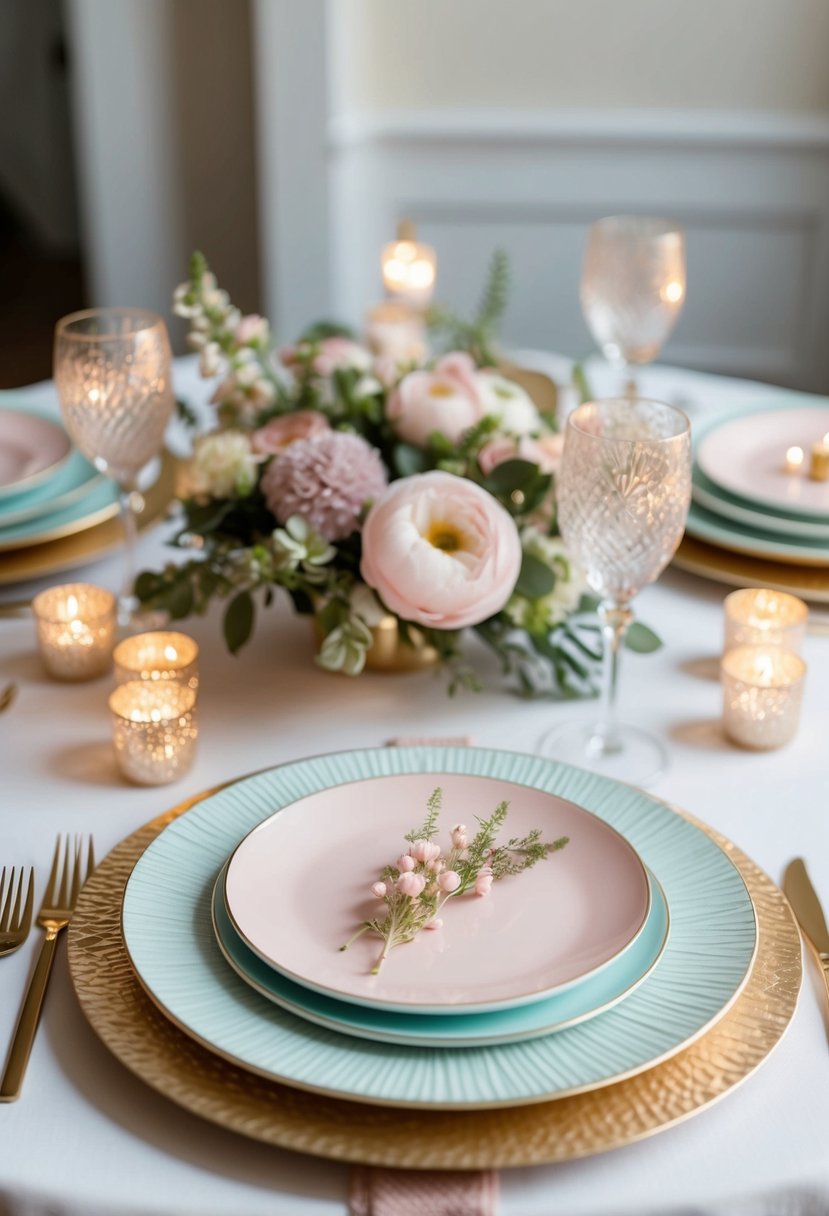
x,y
636,758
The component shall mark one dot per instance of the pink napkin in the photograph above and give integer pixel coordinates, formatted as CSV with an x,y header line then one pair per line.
x,y
376,1192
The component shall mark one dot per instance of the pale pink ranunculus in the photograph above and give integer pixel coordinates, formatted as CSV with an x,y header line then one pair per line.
x,y
545,451
411,885
405,863
339,354
449,881
425,850
378,890
483,884
460,367
440,551
425,402
508,402
277,434
251,329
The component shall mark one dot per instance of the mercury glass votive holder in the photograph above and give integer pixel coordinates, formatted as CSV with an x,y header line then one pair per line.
x,y
154,730
159,656
75,626
759,617
762,692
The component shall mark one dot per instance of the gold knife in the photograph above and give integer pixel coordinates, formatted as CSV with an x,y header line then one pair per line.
x,y
806,906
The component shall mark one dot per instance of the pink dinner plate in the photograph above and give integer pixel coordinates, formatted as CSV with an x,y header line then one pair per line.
x,y
31,448
746,456
298,887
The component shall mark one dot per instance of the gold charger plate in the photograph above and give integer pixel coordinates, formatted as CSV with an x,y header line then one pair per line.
x,y
740,570
89,542
168,1060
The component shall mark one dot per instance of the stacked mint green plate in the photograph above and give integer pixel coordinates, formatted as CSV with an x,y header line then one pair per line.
x,y
680,974
66,496
744,498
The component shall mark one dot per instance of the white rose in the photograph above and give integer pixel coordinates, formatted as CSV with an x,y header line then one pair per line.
x,y
223,465
509,403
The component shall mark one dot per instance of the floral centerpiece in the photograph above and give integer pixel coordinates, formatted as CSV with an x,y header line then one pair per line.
x,y
378,483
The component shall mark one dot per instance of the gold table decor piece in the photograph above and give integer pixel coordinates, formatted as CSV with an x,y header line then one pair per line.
x,y
160,656
55,556
139,1035
739,570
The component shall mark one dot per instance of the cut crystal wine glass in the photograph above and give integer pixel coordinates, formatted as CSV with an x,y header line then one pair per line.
x,y
112,371
633,287
623,494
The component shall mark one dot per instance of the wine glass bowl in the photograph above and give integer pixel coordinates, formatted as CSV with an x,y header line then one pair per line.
x,y
112,372
623,494
633,286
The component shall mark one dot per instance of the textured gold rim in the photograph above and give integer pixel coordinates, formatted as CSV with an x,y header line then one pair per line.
x,y
50,557
739,570
200,1081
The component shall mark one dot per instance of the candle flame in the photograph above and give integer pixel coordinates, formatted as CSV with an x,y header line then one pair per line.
x,y
673,292
795,457
94,395
170,654
71,606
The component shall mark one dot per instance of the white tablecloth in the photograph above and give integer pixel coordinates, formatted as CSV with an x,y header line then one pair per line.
x,y
88,1137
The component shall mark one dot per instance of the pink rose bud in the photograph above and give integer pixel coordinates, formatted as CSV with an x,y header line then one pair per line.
x,y
434,923
435,866
424,850
449,881
405,863
459,836
411,885
378,889
483,883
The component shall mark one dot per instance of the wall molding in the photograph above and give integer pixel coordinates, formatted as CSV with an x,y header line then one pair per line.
x,y
601,127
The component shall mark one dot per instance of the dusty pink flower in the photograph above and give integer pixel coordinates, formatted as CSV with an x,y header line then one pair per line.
x,y
405,863
449,881
483,883
327,480
458,835
411,885
280,432
440,551
435,866
251,329
378,889
424,850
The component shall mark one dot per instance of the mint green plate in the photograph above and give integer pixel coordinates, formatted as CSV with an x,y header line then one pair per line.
x,y
64,488
98,502
585,1000
740,538
169,936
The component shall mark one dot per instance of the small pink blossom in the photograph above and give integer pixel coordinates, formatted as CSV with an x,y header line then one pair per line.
x,y
251,329
460,367
424,850
378,890
339,354
483,883
459,839
545,451
449,881
279,433
434,923
411,885
405,863
435,866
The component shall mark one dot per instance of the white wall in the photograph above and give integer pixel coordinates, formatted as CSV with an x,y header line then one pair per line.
x,y
666,54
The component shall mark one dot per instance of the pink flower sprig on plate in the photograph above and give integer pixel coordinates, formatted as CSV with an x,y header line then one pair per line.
x,y
416,888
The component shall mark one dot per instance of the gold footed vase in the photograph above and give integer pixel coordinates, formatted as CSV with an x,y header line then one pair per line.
x,y
390,653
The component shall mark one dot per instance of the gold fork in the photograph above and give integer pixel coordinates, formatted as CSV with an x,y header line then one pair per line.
x,y
54,915
15,922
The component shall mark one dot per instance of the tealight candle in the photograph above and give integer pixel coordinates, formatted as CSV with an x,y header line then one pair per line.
x,y
75,630
764,618
819,463
794,460
162,655
409,268
395,330
762,691
154,730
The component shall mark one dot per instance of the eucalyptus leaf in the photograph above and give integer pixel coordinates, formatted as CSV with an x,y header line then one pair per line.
x,y
511,475
408,459
642,640
535,579
238,621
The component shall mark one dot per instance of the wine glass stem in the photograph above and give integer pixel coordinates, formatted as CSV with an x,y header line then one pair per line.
x,y
615,620
126,599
